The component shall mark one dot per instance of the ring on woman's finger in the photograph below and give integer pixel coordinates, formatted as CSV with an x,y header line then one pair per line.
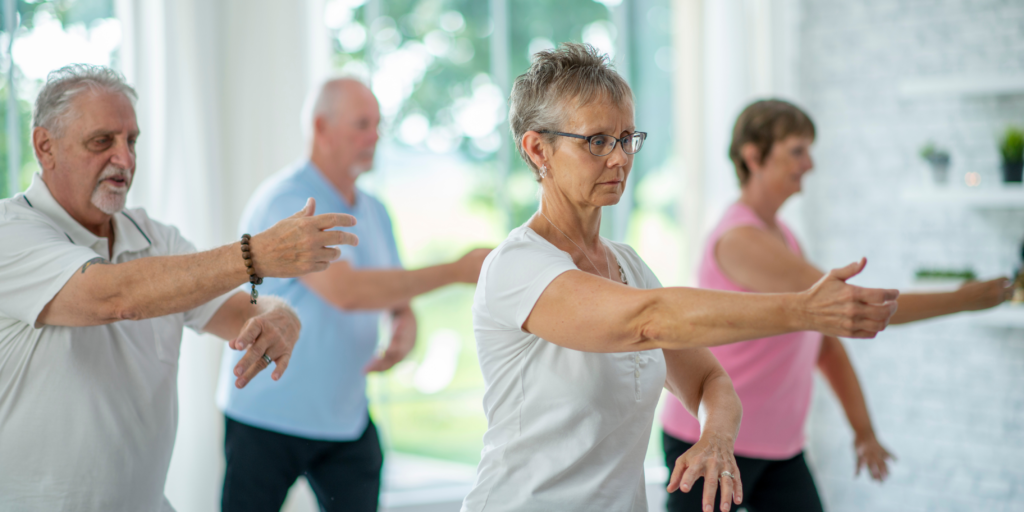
x,y
726,473
267,359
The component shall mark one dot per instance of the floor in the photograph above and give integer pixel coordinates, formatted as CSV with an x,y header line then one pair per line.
x,y
420,484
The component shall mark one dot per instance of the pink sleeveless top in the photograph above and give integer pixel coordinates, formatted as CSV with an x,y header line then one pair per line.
x,y
772,376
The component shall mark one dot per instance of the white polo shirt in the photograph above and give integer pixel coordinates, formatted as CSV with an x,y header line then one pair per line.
x,y
566,430
87,414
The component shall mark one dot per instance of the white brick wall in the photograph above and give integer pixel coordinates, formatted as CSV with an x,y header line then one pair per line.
x,y
947,396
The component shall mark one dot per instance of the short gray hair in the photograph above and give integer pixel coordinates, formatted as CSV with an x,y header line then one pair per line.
x,y
559,82
53,105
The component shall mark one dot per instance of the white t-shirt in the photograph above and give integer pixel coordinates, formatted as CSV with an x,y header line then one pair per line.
x,y
566,430
87,414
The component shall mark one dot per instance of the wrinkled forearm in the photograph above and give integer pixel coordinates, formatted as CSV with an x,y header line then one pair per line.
x,y
145,288
720,409
237,310
686,317
584,312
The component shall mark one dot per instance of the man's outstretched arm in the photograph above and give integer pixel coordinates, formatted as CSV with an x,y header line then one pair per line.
x,y
102,293
351,288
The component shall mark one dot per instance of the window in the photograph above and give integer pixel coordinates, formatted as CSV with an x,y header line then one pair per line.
x,y
441,70
48,34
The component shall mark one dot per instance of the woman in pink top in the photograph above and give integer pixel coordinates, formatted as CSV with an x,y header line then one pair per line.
x,y
751,250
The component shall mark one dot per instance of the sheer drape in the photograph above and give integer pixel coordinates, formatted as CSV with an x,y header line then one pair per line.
x,y
220,87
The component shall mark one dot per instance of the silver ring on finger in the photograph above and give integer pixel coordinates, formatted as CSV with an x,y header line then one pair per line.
x,y
726,473
267,359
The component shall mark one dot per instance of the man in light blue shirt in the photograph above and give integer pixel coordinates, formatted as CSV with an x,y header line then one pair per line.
x,y
315,421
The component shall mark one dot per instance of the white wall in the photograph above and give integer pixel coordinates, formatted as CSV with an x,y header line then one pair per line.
x,y
946,397
728,78
274,52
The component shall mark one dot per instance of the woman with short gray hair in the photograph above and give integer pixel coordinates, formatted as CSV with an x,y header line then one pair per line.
x,y
575,336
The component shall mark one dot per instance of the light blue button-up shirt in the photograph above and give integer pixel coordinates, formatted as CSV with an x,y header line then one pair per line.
x,y
323,394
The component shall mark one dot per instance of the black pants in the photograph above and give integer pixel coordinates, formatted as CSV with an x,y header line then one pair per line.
x,y
262,466
768,485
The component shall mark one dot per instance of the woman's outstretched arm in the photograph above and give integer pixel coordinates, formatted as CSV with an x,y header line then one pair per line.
x,y
759,261
585,312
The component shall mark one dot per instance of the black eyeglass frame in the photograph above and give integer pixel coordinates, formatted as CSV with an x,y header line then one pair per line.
x,y
615,141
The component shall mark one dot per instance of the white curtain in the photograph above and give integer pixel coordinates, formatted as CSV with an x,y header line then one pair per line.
x,y
728,53
220,87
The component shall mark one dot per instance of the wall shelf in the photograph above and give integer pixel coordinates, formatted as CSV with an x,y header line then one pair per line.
x,y
1005,316
961,85
1003,197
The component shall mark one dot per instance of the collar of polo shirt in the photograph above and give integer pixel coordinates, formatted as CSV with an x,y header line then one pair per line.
x,y
128,235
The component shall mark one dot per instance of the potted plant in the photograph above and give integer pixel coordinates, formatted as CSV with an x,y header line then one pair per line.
x,y
938,159
1012,148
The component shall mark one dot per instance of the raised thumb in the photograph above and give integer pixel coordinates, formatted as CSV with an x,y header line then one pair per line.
x,y
308,209
850,270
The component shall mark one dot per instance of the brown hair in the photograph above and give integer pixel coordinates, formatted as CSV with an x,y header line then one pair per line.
x,y
763,123
558,83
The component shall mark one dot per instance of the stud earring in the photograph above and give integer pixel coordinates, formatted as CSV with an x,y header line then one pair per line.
x,y
543,171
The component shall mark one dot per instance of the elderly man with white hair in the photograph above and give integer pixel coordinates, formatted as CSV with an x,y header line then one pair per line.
x,y
93,299
316,422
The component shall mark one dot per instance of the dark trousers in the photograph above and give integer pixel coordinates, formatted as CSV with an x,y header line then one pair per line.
x,y
262,466
768,485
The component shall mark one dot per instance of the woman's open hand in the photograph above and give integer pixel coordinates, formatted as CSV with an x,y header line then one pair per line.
x,y
873,456
712,458
835,308
985,294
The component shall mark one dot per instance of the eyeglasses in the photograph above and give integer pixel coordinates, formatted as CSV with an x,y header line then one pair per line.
x,y
603,145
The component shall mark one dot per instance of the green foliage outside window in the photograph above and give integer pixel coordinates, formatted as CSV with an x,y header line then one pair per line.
x,y
28,162
454,36
68,13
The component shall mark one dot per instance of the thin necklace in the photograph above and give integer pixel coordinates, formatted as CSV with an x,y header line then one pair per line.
x,y
607,263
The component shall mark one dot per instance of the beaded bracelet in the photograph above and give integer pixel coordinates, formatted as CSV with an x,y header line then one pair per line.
x,y
253,278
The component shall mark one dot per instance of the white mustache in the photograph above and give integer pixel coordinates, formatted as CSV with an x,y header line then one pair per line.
x,y
114,172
